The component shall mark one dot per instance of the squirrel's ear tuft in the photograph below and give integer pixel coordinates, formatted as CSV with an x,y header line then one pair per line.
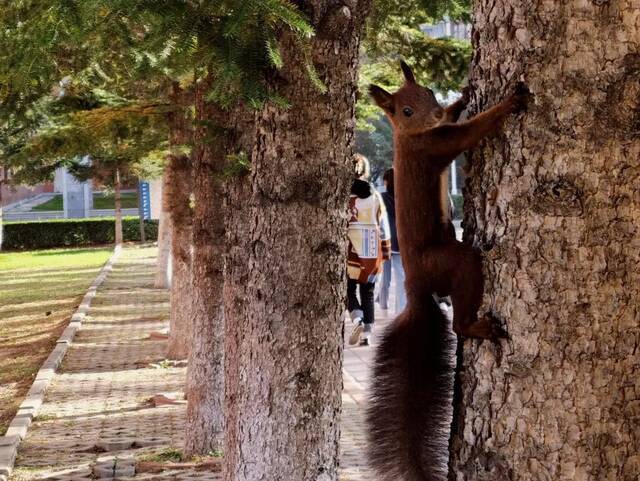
x,y
382,98
408,73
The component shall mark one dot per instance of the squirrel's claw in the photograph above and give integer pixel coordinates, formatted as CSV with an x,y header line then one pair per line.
x,y
497,329
520,97
466,94
487,327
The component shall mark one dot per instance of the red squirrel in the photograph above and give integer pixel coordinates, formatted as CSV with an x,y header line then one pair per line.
x,y
412,383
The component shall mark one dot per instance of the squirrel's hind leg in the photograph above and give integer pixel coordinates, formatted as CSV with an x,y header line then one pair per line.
x,y
459,267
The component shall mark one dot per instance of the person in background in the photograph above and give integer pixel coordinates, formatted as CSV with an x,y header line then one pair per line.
x,y
394,268
369,247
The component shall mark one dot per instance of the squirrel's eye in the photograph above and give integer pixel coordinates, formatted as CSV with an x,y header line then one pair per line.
x,y
408,111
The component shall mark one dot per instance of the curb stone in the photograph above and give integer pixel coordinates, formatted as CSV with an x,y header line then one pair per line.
x,y
29,408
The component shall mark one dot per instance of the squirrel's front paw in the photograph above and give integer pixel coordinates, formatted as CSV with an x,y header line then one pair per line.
x,y
496,328
487,327
518,100
466,94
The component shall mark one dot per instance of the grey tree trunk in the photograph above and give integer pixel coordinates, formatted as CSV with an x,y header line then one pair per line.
x,y
118,207
285,279
205,381
554,200
178,191
164,250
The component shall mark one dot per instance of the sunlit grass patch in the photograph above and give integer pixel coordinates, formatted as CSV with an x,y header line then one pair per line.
x,y
174,459
100,201
28,473
175,455
167,455
52,260
39,291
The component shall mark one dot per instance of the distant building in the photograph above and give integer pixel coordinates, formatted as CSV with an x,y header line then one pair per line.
x,y
447,28
77,195
10,194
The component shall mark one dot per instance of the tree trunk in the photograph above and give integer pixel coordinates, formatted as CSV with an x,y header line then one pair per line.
x,y
118,207
164,249
554,201
285,279
177,199
205,382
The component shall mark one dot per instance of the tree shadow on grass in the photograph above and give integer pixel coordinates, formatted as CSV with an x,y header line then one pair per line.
x,y
31,273
69,252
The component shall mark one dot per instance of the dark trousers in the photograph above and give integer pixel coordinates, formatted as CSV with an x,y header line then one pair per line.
x,y
366,299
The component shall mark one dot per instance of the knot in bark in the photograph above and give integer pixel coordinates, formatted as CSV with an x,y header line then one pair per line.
x,y
558,197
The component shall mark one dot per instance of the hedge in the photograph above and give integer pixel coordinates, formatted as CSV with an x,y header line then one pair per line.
x,y
31,235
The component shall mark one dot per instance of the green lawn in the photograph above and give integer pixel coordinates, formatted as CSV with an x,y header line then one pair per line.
x,y
129,201
100,201
39,291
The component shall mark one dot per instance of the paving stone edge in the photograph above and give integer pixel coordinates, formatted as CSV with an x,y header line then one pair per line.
x,y
29,408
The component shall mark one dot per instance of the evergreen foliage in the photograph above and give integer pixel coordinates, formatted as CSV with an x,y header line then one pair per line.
x,y
126,55
237,164
36,39
185,41
115,135
376,144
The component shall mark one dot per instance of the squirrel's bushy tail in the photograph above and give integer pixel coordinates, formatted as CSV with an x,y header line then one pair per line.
x,y
409,413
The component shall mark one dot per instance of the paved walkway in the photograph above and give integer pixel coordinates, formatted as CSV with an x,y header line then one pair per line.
x,y
95,420
25,205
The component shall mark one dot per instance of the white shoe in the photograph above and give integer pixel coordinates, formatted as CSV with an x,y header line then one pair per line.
x,y
357,331
356,315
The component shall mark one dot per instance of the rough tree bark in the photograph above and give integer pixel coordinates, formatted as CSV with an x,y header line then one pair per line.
x,y
117,195
284,284
555,202
177,199
205,381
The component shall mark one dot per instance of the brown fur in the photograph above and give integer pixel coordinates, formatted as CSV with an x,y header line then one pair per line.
x,y
412,383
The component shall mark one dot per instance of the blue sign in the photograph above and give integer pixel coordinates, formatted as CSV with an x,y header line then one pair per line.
x,y
145,199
